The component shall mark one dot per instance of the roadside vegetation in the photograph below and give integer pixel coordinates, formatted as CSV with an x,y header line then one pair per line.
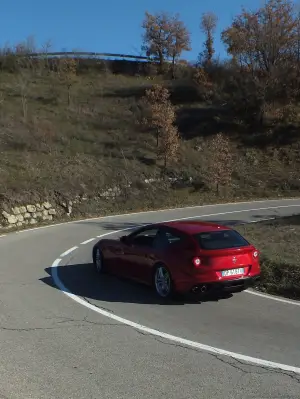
x,y
207,132
278,240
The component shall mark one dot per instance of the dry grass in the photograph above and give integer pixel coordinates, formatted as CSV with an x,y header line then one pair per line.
x,y
48,146
278,242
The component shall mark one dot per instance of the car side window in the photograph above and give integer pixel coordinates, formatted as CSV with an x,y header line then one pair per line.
x,y
173,238
145,238
166,239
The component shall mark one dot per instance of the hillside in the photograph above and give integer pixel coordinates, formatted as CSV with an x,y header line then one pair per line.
x,y
50,149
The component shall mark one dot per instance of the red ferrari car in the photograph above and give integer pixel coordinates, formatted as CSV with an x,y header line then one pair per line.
x,y
181,257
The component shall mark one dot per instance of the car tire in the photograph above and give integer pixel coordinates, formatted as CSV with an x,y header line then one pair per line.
x,y
98,261
163,283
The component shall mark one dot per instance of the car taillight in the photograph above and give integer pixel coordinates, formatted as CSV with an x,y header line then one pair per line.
x,y
255,254
197,262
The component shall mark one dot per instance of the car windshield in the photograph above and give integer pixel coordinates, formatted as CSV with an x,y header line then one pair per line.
x,y
221,240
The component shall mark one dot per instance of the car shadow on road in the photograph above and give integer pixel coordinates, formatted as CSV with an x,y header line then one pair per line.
x,y
118,227
129,226
82,280
114,226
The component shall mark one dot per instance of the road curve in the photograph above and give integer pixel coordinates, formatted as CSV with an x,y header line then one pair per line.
x,y
52,346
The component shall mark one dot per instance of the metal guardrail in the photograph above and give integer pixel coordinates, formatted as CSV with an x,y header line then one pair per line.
x,y
85,54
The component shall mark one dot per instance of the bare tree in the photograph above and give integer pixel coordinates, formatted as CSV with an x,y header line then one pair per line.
x,y
26,47
68,74
160,107
46,47
165,36
180,41
23,83
170,143
221,161
162,118
208,25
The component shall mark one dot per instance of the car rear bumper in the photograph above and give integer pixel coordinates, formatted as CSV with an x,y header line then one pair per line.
x,y
234,285
237,284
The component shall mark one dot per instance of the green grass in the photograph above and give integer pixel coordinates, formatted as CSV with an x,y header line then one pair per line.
x,y
278,242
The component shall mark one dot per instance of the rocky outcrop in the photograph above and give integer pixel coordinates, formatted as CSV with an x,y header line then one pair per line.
x,y
27,215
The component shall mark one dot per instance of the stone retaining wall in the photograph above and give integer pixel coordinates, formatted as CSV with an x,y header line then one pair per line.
x,y
19,216
27,215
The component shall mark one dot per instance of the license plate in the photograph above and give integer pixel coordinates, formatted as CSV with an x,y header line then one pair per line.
x,y
232,272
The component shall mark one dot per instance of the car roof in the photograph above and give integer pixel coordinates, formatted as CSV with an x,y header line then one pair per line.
x,y
194,226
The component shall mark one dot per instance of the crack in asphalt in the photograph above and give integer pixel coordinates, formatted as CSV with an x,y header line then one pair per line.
x,y
237,364
30,329
234,363
79,323
99,307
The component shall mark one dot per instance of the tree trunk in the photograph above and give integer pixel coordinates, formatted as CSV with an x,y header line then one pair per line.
x,y
24,106
173,67
161,63
165,161
69,95
261,115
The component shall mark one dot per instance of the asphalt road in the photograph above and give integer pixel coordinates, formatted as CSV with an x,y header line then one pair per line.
x,y
54,347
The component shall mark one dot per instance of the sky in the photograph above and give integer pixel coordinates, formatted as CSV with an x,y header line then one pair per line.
x,y
112,26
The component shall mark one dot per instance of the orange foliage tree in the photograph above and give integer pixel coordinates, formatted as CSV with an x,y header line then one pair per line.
x,y
165,37
208,25
221,161
162,118
262,43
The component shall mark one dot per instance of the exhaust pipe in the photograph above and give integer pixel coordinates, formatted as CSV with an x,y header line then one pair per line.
x,y
202,289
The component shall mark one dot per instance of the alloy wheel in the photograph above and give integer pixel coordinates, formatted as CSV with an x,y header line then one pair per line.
x,y
98,260
162,281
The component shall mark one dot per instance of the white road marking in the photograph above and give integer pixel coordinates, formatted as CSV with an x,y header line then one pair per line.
x,y
87,241
120,231
182,341
273,297
225,213
68,252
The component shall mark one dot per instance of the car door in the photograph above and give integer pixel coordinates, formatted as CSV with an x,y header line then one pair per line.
x,y
139,254
115,256
147,252
174,250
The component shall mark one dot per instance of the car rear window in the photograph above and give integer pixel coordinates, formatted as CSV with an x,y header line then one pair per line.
x,y
221,239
